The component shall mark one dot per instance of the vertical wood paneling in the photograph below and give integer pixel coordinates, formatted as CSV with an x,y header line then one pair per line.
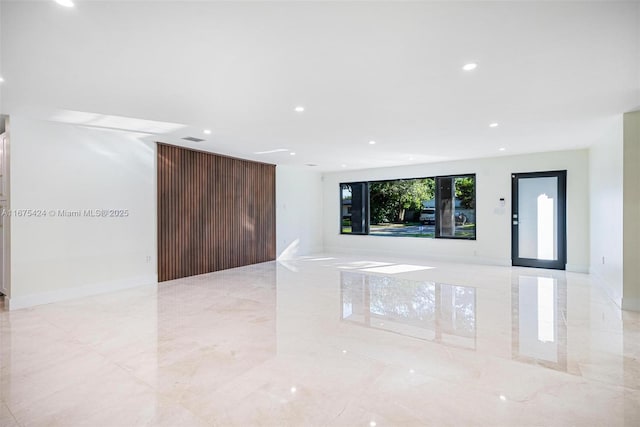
x,y
214,212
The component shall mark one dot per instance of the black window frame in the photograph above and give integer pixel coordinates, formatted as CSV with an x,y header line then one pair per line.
x,y
475,194
364,209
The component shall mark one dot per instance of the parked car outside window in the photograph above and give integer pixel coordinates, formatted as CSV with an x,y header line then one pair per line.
x,y
428,216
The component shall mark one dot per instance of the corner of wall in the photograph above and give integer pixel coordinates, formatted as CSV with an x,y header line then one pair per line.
x,y
631,212
25,301
606,225
299,211
76,249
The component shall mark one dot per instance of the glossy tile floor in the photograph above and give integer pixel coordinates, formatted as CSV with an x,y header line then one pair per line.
x,y
328,341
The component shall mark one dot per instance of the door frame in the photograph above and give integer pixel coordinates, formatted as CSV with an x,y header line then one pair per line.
x,y
5,236
561,262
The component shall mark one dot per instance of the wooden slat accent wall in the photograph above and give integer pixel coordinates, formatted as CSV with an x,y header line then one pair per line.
x,y
214,212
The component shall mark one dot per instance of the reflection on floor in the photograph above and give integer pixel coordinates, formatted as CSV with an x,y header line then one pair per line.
x,y
328,340
426,310
539,321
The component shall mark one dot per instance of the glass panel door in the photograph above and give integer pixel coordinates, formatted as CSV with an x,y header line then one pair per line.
x,y
538,219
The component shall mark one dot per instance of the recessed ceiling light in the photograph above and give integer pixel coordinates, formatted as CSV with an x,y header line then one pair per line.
x,y
65,3
207,131
493,125
1,80
344,166
470,66
299,109
502,149
372,142
411,158
292,154
277,150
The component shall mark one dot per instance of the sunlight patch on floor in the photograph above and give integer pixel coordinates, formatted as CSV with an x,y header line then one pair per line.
x,y
397,268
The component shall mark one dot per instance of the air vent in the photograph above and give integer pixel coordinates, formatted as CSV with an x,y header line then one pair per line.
x,y
310,164
192,139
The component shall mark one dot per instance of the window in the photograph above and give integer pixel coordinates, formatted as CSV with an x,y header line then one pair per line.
x,y
400,207
456,209
345,207
433,207
354,200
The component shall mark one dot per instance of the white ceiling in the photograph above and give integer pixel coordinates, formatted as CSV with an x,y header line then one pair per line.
x,y
553,74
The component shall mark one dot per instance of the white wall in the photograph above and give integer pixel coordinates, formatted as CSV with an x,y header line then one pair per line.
x,y
493,181
57,166
606,228
631,212
1,67
298,211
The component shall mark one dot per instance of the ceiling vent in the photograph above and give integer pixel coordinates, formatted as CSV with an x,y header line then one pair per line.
x,y
192,139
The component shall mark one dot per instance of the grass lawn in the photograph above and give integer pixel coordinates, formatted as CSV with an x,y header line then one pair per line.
x,y
411,229
414,229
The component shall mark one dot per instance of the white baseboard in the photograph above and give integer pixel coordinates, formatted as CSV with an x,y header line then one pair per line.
x,y
436,257
18,302
606,287
503,262
575,268
287,255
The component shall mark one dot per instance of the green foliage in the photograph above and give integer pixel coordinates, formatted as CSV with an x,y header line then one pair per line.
x,y
390,199
346,192
465,192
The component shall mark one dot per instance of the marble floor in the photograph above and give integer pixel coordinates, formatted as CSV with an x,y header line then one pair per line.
x,y
328,341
